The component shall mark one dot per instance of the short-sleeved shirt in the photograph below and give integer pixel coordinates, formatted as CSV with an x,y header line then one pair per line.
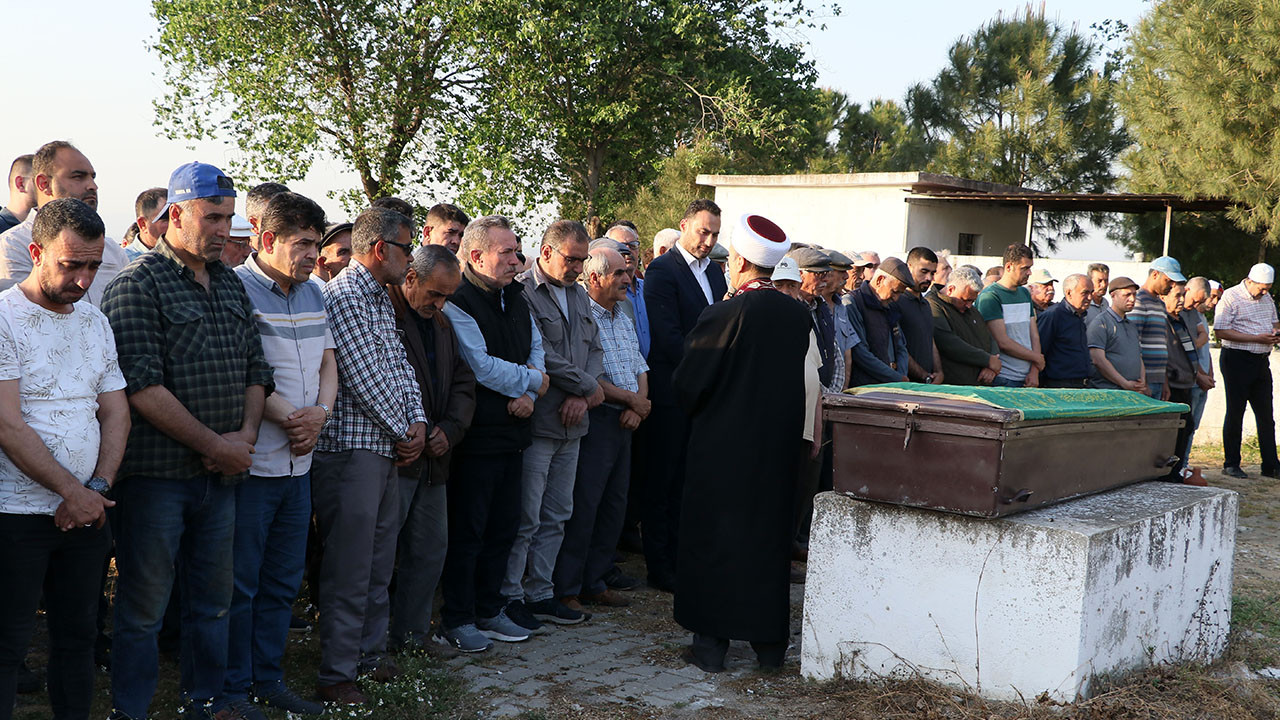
x,y
623,361
201,345
996,302
62,362
295,334
1118,338
1195,319
1148,314
917,329
1240,311
16,263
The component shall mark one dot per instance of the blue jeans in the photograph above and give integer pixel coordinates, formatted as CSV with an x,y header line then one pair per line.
x,y
164,521
546,485
1199,398
1155,389
272,518
1006,382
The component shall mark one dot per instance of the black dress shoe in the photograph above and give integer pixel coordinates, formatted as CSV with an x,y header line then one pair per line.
x,y
1234,471
662,581
615,579
689,656
1271,473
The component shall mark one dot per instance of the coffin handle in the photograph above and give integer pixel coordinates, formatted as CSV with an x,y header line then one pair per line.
x,y
1167,461
1022,495
910,421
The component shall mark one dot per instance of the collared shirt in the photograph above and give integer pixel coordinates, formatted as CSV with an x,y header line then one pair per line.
x,y
295,334
62,362
1063,342
1094,310
500,376
378,394
136,249
623,361
699,269
1118,338
8,219
1195,321
15,259
1240,311
201,345
1148,315
635,293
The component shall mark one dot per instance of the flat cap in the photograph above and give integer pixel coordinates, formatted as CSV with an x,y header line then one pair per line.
x,y
719,253
1120,283
898,270
811,259
840,261
332,231
610,243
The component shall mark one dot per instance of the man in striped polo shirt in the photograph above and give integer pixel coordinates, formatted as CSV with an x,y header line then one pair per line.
x,y
273,507
1148,314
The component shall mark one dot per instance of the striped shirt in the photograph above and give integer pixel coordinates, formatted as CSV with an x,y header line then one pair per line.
x,y
378,394
295,334
1148,315
1243,313
623,362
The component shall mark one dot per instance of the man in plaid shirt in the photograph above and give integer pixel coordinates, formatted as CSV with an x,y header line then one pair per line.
x,y
1247,325
377,424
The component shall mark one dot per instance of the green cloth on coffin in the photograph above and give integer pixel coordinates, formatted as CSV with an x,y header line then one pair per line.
x,y
1040,403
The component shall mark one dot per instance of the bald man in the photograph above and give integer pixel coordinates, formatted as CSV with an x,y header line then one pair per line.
x,y
1062,336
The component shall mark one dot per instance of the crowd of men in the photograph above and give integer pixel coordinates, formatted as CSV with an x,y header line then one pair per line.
x,y
225,405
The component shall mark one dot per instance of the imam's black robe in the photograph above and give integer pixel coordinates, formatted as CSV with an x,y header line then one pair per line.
x,y
741,381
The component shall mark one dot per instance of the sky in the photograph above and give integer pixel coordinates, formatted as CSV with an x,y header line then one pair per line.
x,y
94,83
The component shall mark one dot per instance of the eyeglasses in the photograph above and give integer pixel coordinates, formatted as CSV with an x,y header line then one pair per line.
x,y
572,259
407,247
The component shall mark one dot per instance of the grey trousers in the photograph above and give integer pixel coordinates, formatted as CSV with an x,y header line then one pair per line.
x,y
356,496
424,540
546,502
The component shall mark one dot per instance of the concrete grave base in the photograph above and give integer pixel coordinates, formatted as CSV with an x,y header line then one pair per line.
x,y
1043,601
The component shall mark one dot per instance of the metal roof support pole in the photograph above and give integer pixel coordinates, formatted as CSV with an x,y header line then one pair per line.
x,y
1168,222
1026,240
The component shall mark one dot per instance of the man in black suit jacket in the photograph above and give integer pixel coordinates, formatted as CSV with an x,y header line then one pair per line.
x,y
678,286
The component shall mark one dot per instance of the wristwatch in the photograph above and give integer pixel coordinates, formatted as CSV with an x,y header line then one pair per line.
x,y
99,485
327,412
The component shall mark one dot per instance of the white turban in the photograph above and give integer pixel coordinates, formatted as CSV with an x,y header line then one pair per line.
x,y
760,241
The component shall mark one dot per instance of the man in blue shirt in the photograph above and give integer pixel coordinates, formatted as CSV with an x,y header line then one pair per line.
x,y
1062,336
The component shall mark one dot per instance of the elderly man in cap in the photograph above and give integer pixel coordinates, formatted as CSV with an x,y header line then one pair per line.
x,y
1149,315
916,318
1062,335
881,354
1042,289
815,268
1193,307
871,261
735,551
197,383
969,354
1114,348
841,265
335,253
1008,310
857,274
238,245
1247,325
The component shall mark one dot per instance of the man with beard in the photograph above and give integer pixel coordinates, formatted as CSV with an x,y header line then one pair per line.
x,y
742,384
61,171
916,318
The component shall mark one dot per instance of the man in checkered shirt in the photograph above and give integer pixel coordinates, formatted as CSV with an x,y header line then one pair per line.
x,y
377,424
1247,325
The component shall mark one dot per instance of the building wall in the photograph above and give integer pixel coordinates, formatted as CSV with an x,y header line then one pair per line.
x,y
841,218
938,226
1059,269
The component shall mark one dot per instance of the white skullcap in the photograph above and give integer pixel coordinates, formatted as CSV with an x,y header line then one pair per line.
x,y
786,269
1262,274
760,241
1215,285
240,226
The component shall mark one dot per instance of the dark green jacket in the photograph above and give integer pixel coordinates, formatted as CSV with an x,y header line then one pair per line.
x,y
963,341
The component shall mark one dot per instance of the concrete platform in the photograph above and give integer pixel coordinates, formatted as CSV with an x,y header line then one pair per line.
x,y
1043,601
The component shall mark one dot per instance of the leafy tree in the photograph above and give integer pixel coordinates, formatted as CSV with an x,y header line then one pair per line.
x,y
1021,103
1205,243
661,203
882,138
1200,97
287,81
580,96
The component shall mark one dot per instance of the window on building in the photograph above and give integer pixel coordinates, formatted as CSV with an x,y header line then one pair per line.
x,y
969,244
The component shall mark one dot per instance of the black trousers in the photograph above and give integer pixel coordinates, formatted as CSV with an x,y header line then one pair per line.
x,y
599,505
664,489
484,515
1246,378
64,567
1073,383
1180,395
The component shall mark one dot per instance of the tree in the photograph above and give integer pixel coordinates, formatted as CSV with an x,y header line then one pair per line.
x,y
1205,243
882,138
1200,97
365,81
661,203
580,96
1021,103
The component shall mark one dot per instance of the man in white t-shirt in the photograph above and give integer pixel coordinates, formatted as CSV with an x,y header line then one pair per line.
x,y
63,423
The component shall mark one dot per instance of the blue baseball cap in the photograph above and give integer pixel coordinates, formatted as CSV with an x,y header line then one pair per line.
x,y
1170,267
196,180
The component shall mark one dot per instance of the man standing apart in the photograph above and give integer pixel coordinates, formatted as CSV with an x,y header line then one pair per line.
x,y
377,423
1006,306
500,341
742,383
574,359
152,218
1113,343
449,398
604,458
1062,335
197,381
61,171
1246,324
63,423
1148,315
678,286
273,506
22,193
